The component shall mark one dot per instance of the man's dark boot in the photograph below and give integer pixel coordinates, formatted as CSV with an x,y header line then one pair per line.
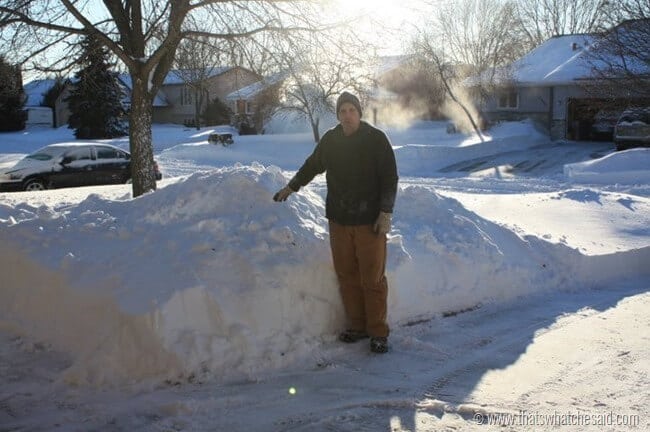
x,y
379,344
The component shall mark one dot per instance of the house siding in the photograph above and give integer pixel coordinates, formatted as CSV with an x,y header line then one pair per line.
x,y
546,106
61,110
558,86
533,103
230,81
217,86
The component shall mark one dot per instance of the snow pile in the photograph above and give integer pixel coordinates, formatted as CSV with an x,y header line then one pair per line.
x,y
206,275
625,167
457,259
209,278
285,151
422,160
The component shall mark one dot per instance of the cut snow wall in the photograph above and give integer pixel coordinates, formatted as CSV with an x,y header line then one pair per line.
x,y
209,278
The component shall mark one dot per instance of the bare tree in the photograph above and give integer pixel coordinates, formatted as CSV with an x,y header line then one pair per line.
x,y
540,20
469,37
197,60
318,70
144,35
435,61
479,33
257,53
620,56
414,89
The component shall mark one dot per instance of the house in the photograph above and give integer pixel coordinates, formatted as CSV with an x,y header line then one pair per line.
x,y
174,103
555,85
37,113
253,103
176,100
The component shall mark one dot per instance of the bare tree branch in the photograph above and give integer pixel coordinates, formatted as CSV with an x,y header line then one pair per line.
x,y
144,35
540,20
620,56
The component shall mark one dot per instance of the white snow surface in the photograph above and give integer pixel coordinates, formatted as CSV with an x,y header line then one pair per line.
x,y
518,271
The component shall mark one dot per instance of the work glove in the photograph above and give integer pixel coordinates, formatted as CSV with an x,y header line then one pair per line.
x,y
382,224
283,194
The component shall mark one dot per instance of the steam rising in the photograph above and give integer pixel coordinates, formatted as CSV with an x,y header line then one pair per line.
x,y
401,113
394,114
453,110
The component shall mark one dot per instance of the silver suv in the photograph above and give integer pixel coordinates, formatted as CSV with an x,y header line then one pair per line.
x,y
633,129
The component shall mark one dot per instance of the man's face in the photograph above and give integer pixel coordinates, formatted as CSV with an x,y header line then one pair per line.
x,y
349,118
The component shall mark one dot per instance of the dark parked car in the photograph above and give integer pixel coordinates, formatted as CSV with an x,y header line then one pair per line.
x,y
633,129
69,165
604,123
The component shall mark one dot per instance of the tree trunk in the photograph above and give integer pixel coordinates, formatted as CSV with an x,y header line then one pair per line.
x,y
451,94
314,128
198,101
140,119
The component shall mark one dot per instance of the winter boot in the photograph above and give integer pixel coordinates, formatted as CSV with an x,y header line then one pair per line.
x,y
379,344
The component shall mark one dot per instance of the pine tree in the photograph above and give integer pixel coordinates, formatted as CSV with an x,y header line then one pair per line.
x,y
95,104
12,98
216,113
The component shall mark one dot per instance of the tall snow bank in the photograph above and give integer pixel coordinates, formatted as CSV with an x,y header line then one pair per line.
x,y
209,278
445,258
206,276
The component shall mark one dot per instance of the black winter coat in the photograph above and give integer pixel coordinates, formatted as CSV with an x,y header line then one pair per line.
x,y
361,174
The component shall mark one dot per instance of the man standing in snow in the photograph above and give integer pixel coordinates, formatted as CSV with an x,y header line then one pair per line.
x,y
361,188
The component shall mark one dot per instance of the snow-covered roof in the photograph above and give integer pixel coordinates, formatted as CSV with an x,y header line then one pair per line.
x,y
174,77
125,79
562,60
559,60
179,76
35,91
252,90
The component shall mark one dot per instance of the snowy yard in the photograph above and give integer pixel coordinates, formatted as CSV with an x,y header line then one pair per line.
x,y
519,279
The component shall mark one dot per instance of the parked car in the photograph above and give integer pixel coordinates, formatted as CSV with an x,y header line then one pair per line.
x,y
69,165
633,129
604,124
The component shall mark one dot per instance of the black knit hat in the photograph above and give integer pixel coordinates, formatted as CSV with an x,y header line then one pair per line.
x,y
350,98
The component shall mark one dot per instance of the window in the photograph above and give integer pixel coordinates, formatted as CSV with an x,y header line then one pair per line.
x,y
45,153
82,153
241,106
186,96
109,153
508,99
39,156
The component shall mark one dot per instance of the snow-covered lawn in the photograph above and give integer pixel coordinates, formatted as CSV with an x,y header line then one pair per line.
x,y
519,272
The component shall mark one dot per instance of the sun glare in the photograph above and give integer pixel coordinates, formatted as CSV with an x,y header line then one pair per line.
x,y
390,12
382,21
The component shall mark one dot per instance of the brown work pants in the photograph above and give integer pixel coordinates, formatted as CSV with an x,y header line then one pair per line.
x,y
359,256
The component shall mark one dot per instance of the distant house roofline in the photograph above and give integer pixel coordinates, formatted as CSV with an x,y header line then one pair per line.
x,y
250,91
176,76
35,91
560,60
